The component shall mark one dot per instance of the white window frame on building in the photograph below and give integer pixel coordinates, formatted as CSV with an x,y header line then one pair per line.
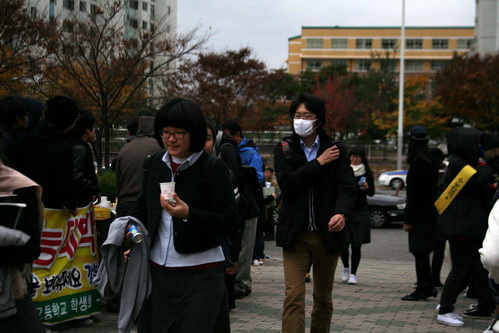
x,y
414,43
437,65
339,43
144,25
413,65
133,23
68,4
363,43
83,6
465,43
440,43
144,6
33,12
314,64
362,65
389,43
134,4
315,43
339,62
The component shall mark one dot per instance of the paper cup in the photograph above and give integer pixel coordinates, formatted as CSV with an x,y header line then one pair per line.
x,y
167,190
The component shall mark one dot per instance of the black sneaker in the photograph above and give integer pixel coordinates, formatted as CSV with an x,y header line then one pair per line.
x,y
239,294
477,313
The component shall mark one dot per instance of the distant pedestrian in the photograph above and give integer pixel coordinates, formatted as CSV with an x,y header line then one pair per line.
x,y
358,227
84,176
420,216
250,157
14,117
318,195
130,165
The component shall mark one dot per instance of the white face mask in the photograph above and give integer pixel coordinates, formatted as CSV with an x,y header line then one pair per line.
x,y
304,128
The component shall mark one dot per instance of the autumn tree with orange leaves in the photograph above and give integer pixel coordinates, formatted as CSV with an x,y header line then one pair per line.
x,y
468,90
227,85
21,35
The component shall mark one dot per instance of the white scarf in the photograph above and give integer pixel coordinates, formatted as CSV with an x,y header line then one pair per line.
x,y
359,170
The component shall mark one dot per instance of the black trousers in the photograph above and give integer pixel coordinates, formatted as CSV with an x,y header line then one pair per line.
x,y
466,267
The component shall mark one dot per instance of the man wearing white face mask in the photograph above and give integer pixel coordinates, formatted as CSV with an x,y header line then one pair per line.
x,y
318,192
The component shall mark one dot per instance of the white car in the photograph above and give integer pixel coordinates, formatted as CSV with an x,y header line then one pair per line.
x,y
394,179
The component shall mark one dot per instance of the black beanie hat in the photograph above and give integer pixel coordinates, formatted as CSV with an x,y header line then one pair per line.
x,y
61,112
418,133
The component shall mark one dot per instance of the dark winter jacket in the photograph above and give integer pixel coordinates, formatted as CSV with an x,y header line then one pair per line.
x,y
208,193
420,211
466,216
333,185
46,156
84,177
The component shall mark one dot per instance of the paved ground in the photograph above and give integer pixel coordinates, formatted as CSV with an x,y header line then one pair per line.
x,y
373,305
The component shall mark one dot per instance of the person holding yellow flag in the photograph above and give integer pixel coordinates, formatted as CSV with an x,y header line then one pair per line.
x,y
463,207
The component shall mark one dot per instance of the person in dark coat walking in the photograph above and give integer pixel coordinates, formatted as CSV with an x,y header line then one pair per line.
x,y
46,156
358,227
84,176
420,216
464,224
318,193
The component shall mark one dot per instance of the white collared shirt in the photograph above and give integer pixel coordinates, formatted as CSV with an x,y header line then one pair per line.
x,y
163,250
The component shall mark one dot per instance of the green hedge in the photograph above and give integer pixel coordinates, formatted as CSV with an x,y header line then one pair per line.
x,y
107,183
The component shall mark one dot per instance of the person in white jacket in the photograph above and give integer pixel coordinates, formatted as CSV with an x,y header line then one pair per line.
x,y
489,254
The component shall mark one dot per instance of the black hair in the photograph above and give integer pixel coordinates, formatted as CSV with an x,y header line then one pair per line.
x,y
419,149
85,121
61,112
132,125
211,125
360,151
312,103
185,114
232,127
269,169
11,108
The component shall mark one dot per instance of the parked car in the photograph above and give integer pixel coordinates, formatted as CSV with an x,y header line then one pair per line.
x,y
384,209
394,179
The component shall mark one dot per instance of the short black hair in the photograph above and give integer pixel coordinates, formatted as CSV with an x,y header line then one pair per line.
x,y
211,125
85,121
133,125
61,112
185,114
313,104
232,127
11,108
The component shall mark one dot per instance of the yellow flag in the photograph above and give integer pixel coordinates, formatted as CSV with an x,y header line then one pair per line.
x,y
454,188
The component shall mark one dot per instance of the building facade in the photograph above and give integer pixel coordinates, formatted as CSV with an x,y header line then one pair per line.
x,y
137,16
427,49
487,26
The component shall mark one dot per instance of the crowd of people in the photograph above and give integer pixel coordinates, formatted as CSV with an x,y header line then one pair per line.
x,y
228,200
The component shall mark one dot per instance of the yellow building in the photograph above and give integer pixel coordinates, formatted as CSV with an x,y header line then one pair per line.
x,y
427,49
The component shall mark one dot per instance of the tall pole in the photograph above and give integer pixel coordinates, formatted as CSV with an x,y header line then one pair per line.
x,y
400,132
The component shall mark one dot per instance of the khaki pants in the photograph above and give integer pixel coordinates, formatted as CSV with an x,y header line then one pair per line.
x,y
308,247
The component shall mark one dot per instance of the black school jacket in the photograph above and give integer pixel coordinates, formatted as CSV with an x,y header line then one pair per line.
x,y
206,188
333,186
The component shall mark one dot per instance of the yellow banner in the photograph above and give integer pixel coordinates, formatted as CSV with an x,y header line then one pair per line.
x,y
64,271
454,188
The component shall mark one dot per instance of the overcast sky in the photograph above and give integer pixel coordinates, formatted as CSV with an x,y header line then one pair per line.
x,y
266,25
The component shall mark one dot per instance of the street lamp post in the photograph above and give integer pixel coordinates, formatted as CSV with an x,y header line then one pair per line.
x,y
400,132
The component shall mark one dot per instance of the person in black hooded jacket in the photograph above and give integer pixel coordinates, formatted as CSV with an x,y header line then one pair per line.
x,y
464,224
46,156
